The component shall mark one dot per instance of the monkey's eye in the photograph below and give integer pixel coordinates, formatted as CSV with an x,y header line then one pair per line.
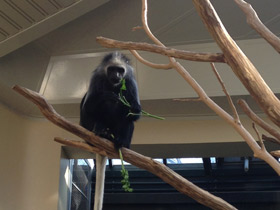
x,y
115,69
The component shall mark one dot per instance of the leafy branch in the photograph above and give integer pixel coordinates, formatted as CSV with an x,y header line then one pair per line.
x,y
125,181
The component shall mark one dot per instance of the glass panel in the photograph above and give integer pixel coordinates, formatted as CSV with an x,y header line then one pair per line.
x,y
82,162
81,184
117,162
213,159
184,160
159,160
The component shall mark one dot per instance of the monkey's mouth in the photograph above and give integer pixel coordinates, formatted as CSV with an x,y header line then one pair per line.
x,y
115,81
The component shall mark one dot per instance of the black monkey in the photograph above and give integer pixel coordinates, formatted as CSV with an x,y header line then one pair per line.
x,y
102,112
101,109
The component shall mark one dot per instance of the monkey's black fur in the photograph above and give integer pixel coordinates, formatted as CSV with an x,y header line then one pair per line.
x,y
101,111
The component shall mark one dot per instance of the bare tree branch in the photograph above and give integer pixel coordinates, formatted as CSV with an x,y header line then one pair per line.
x,y
171,52
259,136
267,138
249,112
187,99
275,153
106,147
83,146
240,64
258,152
137,28
146,25
254,21
234,111
148,63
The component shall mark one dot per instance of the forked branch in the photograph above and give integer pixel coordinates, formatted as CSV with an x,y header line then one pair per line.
x,y
105,147
239,63
258,152
148,63
170,52
254,21
234,111
249,112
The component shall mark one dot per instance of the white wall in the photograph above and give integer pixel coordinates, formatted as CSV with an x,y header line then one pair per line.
x,y
160,84
30,159
30,162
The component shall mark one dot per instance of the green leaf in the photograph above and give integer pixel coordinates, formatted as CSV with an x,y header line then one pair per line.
x,y
123,87
124,173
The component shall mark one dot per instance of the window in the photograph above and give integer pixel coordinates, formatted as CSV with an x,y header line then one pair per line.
x,y
225,176
81,184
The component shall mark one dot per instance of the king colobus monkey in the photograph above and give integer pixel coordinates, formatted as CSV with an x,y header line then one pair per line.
x,y
102,112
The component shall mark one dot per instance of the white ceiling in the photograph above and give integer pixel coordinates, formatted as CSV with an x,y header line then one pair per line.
x,y
22,21
174,22
32,31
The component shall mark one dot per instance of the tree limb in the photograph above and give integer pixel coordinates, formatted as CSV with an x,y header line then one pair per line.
x,y
148,63
249,112
240,64
254,21
267,138
106,147
83,146
234,111
259,137
170,52
258,152
186,99
275,153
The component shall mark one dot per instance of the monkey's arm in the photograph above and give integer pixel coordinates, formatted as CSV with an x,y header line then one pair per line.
x,y
131,95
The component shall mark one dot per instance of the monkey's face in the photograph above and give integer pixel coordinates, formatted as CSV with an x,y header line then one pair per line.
x,y
115,74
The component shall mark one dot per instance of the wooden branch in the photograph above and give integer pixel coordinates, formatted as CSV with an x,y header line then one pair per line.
x,y
148,63
186,99
136,28
258,151
259,137
170,52
83,146
144,18
254,21
48,111
240,64
267,138
275,153
106,147
249,112
234,111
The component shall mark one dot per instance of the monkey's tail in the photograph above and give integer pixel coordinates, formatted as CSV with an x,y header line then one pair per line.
x,y
99,183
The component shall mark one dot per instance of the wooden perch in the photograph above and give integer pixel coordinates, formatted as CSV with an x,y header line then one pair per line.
x,y
84,146
254,21
258,120
240,64
105,147
170,52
